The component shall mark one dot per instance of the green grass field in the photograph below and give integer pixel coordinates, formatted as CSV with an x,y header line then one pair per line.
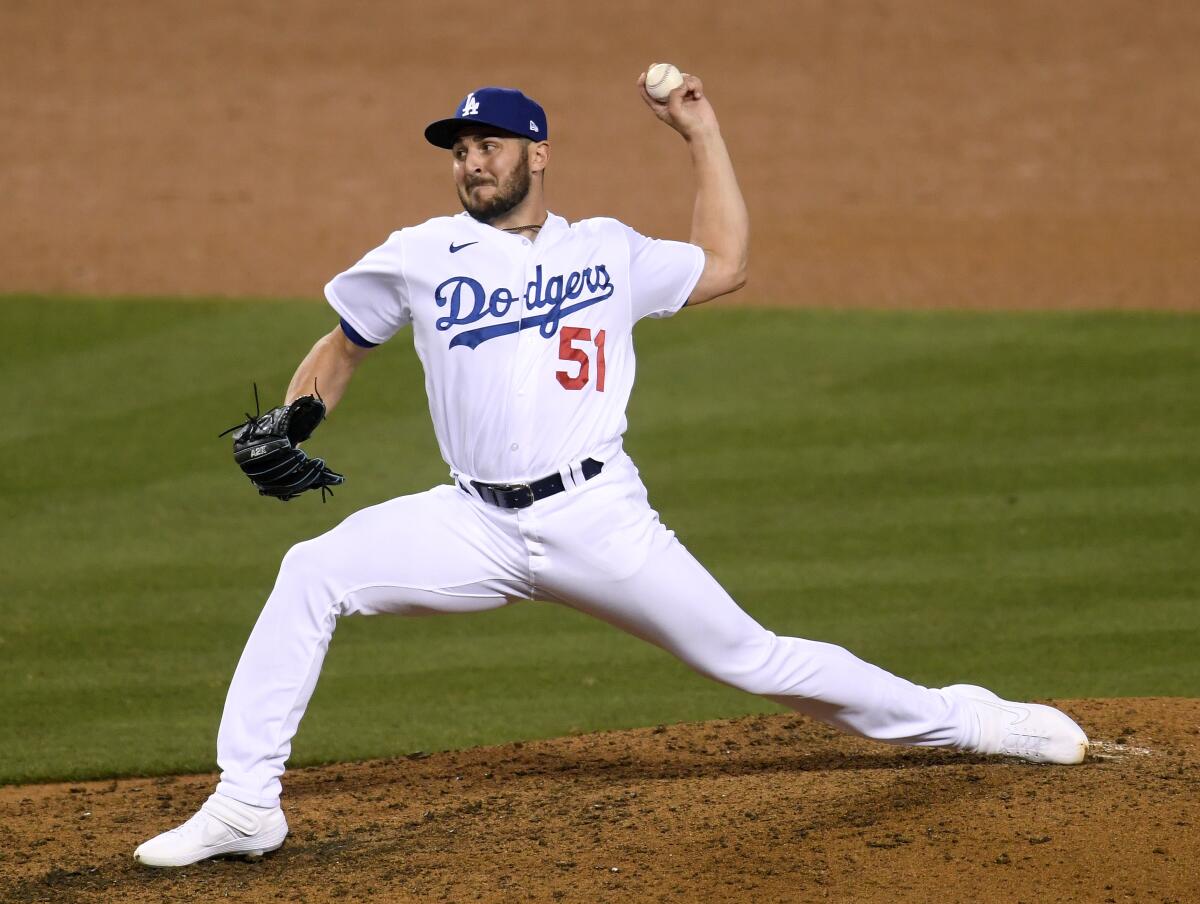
x,y
1012,499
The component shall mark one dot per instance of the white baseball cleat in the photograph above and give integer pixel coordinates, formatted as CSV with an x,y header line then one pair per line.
x,y
1030,731
223,826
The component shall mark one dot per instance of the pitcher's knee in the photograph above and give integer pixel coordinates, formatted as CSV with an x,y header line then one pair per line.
x,y
306,573
302,561
757,666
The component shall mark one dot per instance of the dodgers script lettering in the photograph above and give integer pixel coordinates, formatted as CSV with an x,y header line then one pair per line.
x,y
467,301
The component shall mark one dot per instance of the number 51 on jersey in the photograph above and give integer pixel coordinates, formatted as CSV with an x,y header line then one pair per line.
x,y
573,345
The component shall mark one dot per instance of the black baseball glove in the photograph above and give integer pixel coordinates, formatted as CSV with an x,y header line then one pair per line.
x,y
267,449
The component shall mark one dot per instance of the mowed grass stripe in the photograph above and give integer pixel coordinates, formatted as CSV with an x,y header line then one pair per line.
x,y
1003,498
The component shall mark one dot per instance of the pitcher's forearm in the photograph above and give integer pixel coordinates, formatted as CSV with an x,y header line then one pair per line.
x,y
720,221
327,369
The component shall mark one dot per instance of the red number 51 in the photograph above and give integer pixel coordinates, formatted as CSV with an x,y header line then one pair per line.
x,y
567,351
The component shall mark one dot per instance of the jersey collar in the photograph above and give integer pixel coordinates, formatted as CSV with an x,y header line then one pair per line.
x,y
554,224
553,227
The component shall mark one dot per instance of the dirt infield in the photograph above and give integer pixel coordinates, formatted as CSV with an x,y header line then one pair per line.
x,y
757,809
927,153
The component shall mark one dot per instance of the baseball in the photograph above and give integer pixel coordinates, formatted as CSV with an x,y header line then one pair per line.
x,y
661,80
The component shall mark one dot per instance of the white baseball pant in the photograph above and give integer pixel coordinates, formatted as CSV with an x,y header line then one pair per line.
x,y
598,547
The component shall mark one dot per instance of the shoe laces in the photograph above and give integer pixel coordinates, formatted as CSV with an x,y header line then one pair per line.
x,y
1021,744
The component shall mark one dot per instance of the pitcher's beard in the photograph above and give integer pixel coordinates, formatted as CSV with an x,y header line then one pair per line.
x,y
509,193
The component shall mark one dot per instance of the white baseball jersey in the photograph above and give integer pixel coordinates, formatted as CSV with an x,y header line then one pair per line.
x,y
527,345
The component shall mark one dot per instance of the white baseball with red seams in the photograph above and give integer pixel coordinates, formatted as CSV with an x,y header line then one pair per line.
x,y
662,79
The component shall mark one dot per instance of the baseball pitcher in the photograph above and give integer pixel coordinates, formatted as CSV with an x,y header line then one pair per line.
x,y
523,323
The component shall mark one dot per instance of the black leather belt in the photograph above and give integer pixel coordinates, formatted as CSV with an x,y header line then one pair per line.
x,y
523,495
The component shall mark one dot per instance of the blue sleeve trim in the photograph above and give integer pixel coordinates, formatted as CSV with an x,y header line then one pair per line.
x,y
352,335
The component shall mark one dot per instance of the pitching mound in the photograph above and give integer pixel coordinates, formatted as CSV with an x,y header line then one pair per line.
x,y
755,809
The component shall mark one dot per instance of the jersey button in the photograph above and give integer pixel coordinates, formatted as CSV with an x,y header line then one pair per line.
x,y
514,447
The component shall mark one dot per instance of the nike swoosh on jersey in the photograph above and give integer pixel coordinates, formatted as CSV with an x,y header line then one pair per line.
x,y
454,249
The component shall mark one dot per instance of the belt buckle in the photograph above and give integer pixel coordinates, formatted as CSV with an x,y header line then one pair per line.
x,y
509,495
520,495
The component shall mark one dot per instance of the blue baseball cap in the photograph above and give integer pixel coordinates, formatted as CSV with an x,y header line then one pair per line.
x,y
504,108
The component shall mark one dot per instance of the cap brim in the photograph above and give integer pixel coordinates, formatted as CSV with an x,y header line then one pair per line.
x,y
441,134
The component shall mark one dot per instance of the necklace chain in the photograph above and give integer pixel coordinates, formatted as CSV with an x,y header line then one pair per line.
x,y
534,226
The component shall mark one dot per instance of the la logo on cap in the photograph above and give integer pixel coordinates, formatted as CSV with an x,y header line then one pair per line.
x,y
471,106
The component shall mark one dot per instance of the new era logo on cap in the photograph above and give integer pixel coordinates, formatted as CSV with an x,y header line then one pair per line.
x,y
505,108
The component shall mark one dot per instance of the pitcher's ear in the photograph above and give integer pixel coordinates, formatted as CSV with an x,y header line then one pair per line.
x,y
539,155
